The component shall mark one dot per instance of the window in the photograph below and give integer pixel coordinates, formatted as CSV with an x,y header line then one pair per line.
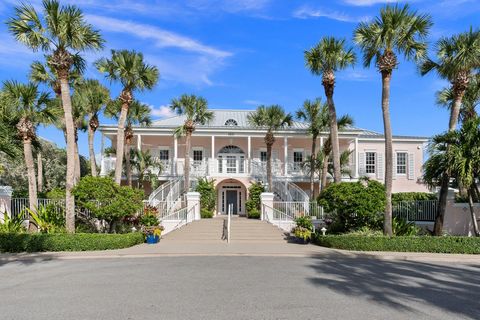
x,y
163,155
297,160
263,156
370,162
197,155
401,163
231,122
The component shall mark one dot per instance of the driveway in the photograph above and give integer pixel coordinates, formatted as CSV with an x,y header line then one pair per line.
x,y
238,287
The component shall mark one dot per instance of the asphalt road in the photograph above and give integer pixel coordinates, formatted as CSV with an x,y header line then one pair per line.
x,y
238,288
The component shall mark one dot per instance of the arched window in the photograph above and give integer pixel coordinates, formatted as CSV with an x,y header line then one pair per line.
x,y
231,149
231,122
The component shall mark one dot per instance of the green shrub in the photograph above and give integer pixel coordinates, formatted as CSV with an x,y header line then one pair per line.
x,y
402,227
251,206
14,224
412,196
208,196
112,202
56,194
353,205
253,214
302,233
36,242
206,214
304,222
366,232
149,220
464,245
253,203
47,219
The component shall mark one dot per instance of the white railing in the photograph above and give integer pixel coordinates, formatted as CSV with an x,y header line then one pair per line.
x,y
178,219
289,191
18,206
297,193
422,210
299,209
278,218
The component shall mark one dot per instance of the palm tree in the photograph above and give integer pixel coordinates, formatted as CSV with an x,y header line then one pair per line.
x,y
457,57
470,100
270,118
30,110
9,140
93,97
138,114
195,110
62,35
128,68
148,167
397,30
311,112
327,57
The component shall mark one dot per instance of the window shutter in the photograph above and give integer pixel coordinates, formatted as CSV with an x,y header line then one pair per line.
x,y
361,164
411,166
206,154
394,165
379,166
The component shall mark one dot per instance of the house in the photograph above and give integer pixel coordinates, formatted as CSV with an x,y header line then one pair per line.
x,y
233,153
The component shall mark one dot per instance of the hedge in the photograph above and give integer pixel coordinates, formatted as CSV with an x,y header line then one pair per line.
x,y
36,242
447,244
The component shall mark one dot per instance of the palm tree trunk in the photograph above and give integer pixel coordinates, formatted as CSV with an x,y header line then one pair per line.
x,y
387,223
69,128
186,169
128,168
324,172
91,150
312,168
120,142
32,183
332,114
472,214
443,193
269,167
77,163
39,171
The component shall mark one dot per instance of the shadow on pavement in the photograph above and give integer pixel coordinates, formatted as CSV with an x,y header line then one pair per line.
x,y
396,284
25,259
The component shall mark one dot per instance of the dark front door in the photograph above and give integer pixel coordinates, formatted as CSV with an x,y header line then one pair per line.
x,y
232,200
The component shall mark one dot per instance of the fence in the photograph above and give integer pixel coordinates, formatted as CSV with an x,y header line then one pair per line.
x,y
18,206
299,209
424,210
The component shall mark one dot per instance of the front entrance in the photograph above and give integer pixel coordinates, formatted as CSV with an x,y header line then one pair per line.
x,y
232,200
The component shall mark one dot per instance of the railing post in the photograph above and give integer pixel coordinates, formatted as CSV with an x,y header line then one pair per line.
x,y
5,201
266,199
193,201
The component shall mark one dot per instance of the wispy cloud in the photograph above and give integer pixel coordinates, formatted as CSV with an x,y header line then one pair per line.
x,y
252,102
307,12
356,75
161,111
361,3
233,6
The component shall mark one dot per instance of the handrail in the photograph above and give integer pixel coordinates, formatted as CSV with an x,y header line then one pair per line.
x,y
227,224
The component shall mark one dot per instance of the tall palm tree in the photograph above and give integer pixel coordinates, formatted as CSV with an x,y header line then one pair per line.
x,y
62,35
128,68
397,30
311,112
9,140
327,57
30,110
470,100
94,97
147,166
138,114
457,57
270,118
195,110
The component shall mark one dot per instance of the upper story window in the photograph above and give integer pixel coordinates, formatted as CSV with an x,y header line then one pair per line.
x,y
197,155
263,156
297,156
401,163
370,162
231,122
163,154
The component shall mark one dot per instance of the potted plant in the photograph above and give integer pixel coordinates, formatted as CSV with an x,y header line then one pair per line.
x,y
151,227
303,229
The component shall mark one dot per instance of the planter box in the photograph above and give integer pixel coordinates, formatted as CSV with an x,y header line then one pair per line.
x,y
151,239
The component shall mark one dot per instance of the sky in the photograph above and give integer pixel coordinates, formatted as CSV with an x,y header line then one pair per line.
x,y
239,54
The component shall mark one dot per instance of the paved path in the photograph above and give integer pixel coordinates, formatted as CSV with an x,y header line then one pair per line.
x,y
322,287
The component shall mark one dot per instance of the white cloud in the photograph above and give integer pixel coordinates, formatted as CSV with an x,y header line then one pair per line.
x,y
232,6
361,3
162,111
252,102
306,12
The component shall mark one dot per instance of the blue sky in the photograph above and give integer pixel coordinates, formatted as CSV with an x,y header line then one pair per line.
x,y
242,53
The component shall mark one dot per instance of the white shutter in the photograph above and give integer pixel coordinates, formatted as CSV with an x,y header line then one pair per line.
x,y
411,166
206,154
361,164
394,165
379,166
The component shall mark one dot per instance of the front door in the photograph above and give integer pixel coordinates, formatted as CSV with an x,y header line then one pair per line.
x,y
232,200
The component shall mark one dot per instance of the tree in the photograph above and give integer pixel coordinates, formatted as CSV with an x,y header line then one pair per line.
x,y
470,101
94,97
138,114
9,140
195,110
457,57
30,110
147,167
271,118
62,31
327,57
128,68
397,30
311,112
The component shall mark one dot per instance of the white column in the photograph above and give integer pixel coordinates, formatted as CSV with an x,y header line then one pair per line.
x,y
321,142
193,203
285,154
175,154
249,154
213,147
102,146
139,142
356,157
266,199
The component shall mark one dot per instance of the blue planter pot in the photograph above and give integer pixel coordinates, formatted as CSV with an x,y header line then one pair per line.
x,y
151,239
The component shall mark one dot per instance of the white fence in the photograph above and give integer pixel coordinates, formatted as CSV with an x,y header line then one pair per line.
x,y
18,205
299,209
424,210
178,219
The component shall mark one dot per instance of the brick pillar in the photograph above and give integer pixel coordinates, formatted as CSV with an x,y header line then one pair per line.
x,y
193,201
266,199
5,201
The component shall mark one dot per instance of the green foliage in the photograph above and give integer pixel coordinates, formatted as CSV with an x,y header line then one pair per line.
x,y
412,196
304,222
36,242
149,220
302,233
208,196
206,214
56,194
366,232
110,151
353,205
48,219
463,245
254,192
253,213
14,224
402,227
107,200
